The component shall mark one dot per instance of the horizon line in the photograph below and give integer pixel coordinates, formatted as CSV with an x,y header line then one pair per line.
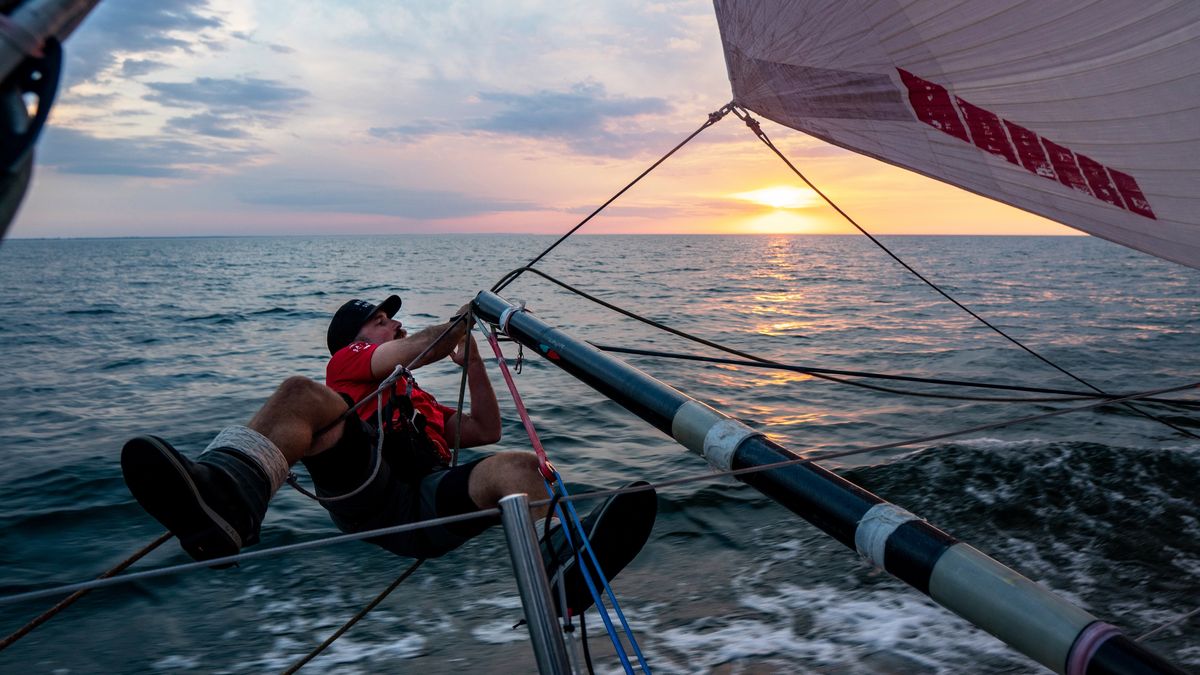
x,y
527,234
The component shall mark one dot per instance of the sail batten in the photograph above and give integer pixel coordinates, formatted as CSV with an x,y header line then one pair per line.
x,y
1086,114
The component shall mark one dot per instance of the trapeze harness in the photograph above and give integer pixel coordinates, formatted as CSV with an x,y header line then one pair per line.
x,y
407,447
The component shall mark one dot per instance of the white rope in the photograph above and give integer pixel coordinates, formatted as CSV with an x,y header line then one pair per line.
x,y
294,481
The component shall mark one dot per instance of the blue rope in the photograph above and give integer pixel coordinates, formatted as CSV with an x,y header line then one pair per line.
x,y
587,577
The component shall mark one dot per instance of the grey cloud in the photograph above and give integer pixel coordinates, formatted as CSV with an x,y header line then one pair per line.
x,y
207,124
248,37
350,197
225,108
582,110
249,94
417,129
133,26
578,117
138,67
73,151
93,100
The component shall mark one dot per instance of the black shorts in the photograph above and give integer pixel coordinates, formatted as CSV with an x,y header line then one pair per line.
x,y
394,499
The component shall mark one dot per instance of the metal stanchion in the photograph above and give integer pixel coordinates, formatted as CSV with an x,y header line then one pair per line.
x,y
533,585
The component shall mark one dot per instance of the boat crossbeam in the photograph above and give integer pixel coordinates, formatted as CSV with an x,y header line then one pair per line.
x,y
1026,615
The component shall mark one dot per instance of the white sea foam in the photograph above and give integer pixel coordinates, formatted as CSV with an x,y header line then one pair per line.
x,y
828,627
499,632
176,663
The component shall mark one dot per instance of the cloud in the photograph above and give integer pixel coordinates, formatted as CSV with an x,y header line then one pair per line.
x,y
228,107
277,48
580,116
73,151
351,197
131,68
206,124
248,94
135,26
419,129
582,110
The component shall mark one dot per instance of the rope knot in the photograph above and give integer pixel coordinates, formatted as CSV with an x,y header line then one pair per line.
x,y
754,125
506,315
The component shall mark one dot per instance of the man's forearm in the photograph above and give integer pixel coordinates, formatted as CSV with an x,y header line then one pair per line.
x,y
485,410
427,337
402,352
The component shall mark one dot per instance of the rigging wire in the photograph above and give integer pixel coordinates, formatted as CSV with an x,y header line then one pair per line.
x,y
462,390
70,599
111,578
860,451
713,118
492,512
818,372
823,373
354,619
754,126
247,555
1172,622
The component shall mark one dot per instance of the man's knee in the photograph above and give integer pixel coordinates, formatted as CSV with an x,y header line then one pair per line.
x,y
302,393
505,473
516,463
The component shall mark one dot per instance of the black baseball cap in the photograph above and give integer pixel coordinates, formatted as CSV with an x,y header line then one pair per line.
x,y
351,316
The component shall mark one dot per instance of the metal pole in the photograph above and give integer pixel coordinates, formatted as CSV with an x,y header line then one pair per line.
x,y
35,21
533,585
1025,615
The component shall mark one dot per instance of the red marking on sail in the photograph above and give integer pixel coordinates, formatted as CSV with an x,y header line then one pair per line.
x,y
1042,156
1098,180
1064,165
1134,199
1030,150
933,105
986,130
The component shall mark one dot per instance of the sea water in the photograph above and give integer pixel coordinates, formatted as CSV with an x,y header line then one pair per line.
x,y
102,340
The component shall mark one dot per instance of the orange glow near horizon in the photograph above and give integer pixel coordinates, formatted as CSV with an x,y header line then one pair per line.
x,y
781,197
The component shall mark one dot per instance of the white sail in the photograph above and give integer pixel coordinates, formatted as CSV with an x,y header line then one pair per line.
x,y
1087,113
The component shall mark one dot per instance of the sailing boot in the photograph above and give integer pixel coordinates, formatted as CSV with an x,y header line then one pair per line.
x,y
617,530
213,505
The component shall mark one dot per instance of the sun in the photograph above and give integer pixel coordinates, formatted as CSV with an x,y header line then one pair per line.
x,y
781,197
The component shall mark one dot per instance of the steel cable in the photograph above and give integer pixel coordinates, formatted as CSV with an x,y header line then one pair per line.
x,y
762,135
713,118
367,534
823,373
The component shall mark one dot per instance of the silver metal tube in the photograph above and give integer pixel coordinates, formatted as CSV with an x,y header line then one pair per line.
x,y
38,20
1028,616
533,585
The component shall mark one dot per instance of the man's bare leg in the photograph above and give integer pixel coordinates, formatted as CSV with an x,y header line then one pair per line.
x,y
295,413
507,473
215,504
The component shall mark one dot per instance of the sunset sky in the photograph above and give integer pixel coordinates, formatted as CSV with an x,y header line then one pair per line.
x,y
197,117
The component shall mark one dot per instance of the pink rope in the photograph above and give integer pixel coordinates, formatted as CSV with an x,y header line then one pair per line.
x,y
544,466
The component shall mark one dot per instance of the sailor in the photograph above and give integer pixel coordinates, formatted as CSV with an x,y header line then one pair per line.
x,y
216,503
